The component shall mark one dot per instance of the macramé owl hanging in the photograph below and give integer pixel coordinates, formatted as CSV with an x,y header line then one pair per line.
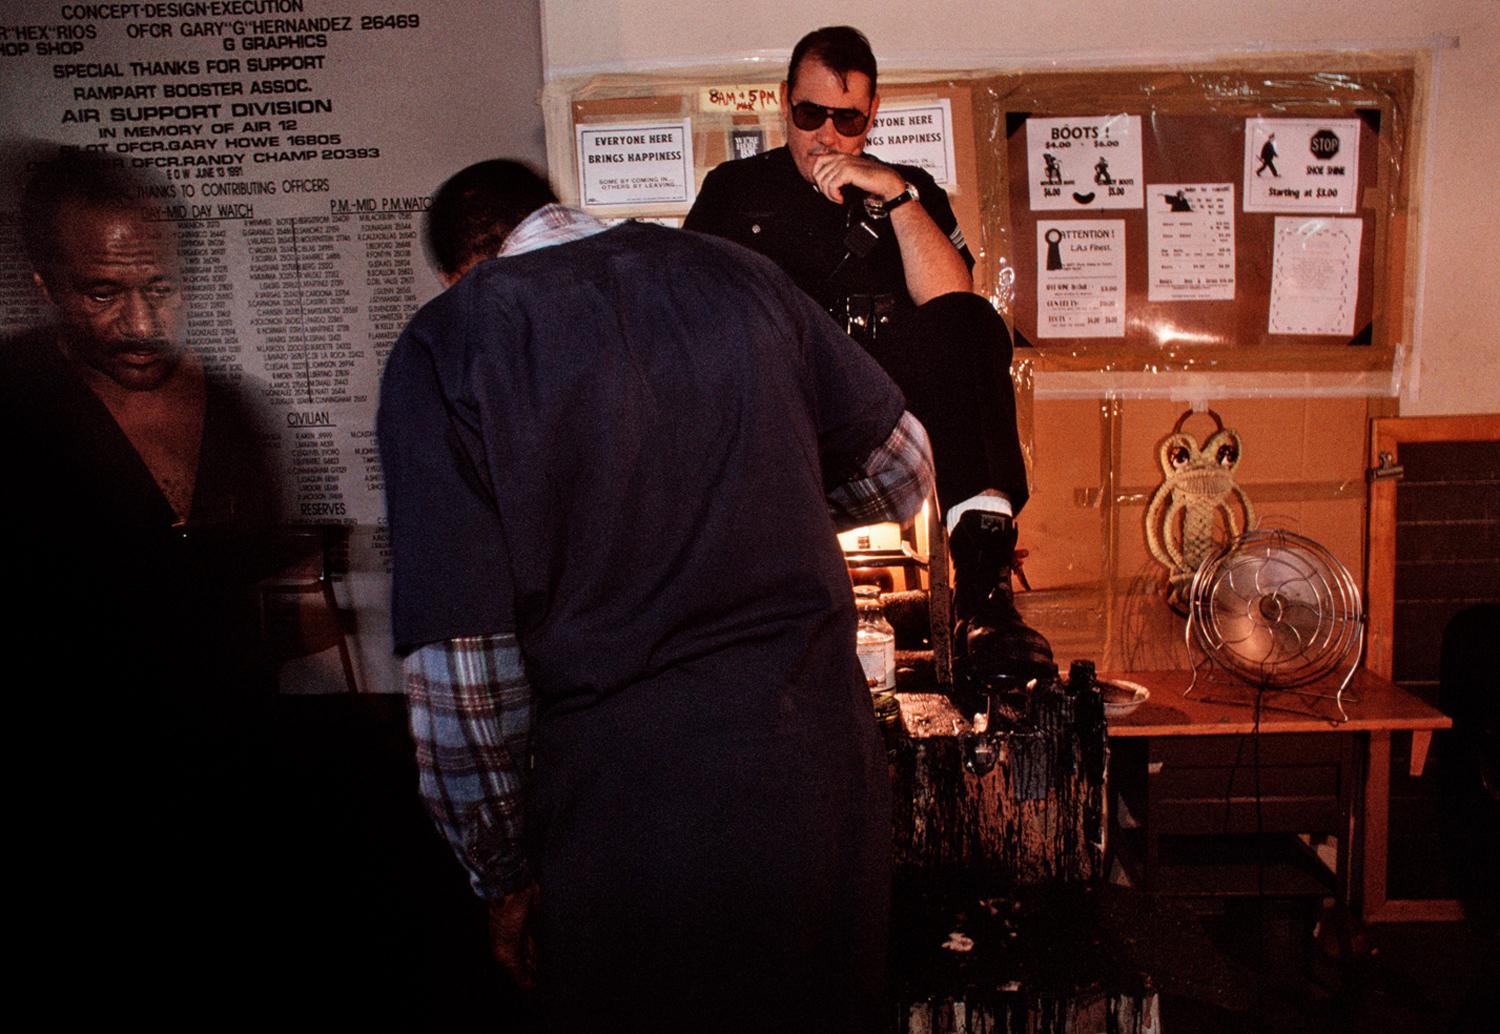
x,y
1193,512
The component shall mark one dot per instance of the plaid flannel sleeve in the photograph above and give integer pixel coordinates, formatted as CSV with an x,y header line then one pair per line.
x,y
470,708
895,479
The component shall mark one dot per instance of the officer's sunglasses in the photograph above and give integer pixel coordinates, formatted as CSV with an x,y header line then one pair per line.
x,y
808,117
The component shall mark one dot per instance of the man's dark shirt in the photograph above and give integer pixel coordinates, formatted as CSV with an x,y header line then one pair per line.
x,y
611,405
154,594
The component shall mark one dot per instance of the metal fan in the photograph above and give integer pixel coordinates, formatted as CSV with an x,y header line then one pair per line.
x,y
1278,611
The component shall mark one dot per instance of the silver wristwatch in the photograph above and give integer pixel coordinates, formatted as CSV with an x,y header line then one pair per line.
x,y
875,208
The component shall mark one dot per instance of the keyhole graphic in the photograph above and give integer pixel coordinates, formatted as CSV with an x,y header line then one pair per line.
x,y
1053,238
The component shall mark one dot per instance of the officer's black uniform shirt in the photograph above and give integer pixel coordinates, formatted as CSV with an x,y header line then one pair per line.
x,y
763,203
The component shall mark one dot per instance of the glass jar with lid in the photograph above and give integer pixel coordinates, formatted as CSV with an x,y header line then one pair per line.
x,y
875,640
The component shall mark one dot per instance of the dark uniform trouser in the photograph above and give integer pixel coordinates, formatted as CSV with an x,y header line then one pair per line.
x,y
951,358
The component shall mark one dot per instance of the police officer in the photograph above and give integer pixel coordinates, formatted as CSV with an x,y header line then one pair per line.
x,y
877,245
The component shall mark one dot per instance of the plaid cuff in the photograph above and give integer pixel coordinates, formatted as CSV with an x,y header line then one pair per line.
x,y
470,708
894,480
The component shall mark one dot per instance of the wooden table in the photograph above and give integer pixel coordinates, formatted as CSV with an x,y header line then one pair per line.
x,y
1376,708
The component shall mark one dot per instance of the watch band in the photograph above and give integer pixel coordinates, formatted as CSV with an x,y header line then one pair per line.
x,y
909,194
878,209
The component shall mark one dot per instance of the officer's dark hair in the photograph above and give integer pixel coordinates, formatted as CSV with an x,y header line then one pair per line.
x,y
476,209
839,48
72,179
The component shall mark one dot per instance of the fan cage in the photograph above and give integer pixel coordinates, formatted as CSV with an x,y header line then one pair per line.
x,y
1277,610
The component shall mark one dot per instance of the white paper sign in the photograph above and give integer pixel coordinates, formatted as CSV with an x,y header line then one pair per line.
x,y
1080,281
1315,276
1085,162
639,164
740,98
1190,235
1301,164
915,134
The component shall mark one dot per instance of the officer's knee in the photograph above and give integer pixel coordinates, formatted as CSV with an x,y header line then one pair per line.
x,y
966,322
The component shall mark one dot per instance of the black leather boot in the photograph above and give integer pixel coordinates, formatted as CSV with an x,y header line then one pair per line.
x,y
994,650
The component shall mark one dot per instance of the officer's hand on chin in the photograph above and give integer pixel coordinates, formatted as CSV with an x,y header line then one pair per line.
x,y
832,171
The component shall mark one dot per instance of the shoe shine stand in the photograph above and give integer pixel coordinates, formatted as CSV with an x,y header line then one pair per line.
x,y
1000,919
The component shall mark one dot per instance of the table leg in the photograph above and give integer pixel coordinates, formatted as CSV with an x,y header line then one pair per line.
x,y
1377,806
1421,739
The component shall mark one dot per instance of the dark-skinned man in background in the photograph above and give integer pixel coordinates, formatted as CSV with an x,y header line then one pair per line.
x,y
142,513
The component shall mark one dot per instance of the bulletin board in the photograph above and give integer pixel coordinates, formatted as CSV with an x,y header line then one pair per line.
x,y
1313,278
1200,240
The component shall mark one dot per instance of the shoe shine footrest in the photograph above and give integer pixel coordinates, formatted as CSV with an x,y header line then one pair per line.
x,y
1017,804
